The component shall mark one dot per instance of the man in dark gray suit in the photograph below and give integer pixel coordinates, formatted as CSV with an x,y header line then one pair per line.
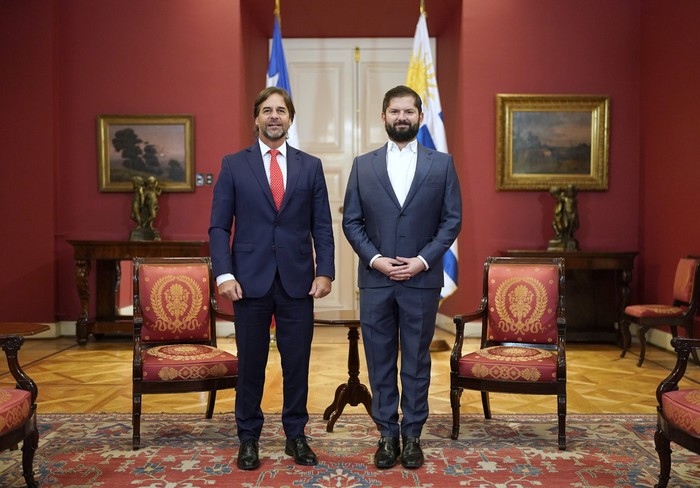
x,y
402,211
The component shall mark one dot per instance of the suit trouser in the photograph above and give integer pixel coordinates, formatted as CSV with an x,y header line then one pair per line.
x,y
391,315
295,326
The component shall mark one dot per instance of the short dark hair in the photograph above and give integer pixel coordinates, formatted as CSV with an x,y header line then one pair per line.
x,y
402,91
272,90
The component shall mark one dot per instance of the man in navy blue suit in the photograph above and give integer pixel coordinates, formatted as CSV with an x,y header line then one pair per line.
x,y
268,268
402,212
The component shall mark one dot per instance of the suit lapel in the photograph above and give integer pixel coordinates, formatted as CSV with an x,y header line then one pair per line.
x,y
257,167
293,171
379,163
423,164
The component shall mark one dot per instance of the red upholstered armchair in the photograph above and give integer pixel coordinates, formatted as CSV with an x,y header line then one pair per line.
x,y
686,296
523,348
175,333
678,412
18,410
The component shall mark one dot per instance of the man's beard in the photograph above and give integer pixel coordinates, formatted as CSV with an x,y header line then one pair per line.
x,y
275,137
402,135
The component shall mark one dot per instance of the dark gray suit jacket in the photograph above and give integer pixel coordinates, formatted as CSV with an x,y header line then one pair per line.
x,y
427,224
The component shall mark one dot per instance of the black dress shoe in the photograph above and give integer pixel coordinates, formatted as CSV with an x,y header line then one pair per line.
x,y
248,455
412,456
387,453
300,450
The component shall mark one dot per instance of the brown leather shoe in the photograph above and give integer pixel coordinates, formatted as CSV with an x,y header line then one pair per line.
x,y
300,450
387,453
412,456
248,455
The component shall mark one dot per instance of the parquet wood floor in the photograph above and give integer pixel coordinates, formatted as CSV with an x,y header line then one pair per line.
x,y
97,378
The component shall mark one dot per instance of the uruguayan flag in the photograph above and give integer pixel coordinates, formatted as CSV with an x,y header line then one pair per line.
x,y
277,75
421,77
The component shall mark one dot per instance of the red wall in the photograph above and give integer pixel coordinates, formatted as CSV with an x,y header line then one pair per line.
x,y
28,165
74,59
670,172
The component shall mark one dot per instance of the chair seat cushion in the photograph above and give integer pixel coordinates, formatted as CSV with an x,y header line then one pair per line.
x,y
510,363
181,362
15,408
682,409
654,310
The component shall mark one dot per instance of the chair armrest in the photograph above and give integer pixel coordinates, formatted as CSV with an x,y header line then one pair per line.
x,y
683,347
459,321
11,345
219,312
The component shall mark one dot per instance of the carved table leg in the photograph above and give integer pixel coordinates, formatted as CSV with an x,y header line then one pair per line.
x,y
82,272
352,392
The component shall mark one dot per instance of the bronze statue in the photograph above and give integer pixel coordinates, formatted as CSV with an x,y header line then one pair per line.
x,y
565,221
144,208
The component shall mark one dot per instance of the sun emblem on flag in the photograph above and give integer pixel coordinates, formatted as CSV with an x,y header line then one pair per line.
x,y
421,77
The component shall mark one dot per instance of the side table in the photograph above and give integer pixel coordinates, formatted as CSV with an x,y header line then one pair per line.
x,y
22,328
352,392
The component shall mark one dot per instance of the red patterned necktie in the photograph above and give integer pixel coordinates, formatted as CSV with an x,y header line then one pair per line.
x,y
276,180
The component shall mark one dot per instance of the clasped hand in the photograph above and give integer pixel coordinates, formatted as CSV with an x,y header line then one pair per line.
x,y
399,269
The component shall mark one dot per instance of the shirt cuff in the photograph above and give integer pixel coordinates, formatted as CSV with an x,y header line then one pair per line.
x,y
424,262
371,261
224,277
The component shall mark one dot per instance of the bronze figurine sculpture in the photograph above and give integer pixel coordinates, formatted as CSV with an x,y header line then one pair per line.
x,y
565,221
144,208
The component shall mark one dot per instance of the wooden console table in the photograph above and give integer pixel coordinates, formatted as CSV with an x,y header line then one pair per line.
x,y
352,392
596,292
108,256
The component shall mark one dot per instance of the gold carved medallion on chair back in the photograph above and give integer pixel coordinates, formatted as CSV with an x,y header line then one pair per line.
x,y
523,303
174,302
683,283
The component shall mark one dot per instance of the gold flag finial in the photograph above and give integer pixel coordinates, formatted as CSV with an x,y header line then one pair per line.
x,y
422,8
277,12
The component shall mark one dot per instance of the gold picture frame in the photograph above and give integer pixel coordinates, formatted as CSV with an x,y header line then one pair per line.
x,y
145,145
552,140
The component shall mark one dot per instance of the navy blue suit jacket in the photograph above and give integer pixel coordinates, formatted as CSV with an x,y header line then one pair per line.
x,y
264,241
427,223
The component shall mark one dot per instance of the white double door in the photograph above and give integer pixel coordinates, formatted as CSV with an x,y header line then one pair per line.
x,y
338,86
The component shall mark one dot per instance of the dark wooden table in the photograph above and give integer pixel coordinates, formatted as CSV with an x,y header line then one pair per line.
x,y
108,256
22,328
596,292
353,392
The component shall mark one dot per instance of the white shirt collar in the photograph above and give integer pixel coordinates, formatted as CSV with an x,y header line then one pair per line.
x,y
412,146
264,148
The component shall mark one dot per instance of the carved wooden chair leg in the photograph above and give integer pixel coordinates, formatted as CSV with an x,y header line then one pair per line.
x,y
663,448
626,337
455,394
210,404
486,402
29,447
561,412
136,422
642,333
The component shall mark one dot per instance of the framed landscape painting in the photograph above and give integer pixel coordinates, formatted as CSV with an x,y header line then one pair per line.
x,y
145,145
551,140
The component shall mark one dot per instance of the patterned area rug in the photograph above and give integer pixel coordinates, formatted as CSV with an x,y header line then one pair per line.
x,y
187,451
